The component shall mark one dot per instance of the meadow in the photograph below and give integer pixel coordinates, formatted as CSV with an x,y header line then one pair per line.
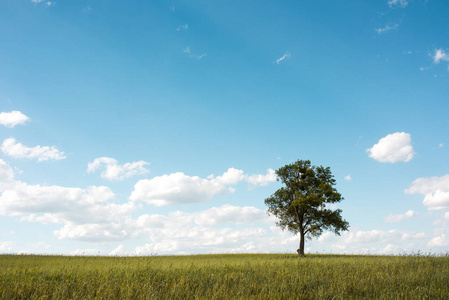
x,y
229,276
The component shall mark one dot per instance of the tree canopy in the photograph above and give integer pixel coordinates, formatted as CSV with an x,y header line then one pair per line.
x,y
301,206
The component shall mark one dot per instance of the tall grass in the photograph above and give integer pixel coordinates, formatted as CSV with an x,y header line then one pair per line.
x,y
243,276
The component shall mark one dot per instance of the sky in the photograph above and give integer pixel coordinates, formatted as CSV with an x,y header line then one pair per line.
x,y
155,127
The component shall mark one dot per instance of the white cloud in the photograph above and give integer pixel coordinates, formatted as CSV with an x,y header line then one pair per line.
x,y
14,149
181,232
440,241
398,218
94,232
230,214
386,28
42,1
435,191
120,250
40,245
182,27
88,252
6,247
374,241
87,214
401,3
203,240
262,180
93,214
11,119
178,188
348,177
437,200
231,176
6,175
189,52
283,57
114,171
441,145
393,148
371,236
440,55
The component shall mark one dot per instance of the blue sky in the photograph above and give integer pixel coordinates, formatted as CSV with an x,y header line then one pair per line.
x,y
155,126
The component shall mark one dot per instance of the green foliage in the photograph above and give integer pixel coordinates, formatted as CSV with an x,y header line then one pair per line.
x,y
238,276
301,206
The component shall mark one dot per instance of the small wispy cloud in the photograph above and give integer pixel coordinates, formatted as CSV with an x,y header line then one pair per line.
x,y
401,217
182,27
440,55
348,177
386,28
285,56
397,3
43,1
189,52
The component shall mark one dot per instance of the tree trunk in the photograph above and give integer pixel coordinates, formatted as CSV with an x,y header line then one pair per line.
x,y
301,245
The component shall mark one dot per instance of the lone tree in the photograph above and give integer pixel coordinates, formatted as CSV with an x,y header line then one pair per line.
x,y
301,206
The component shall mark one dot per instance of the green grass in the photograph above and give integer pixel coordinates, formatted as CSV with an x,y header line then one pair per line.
x,y
241,276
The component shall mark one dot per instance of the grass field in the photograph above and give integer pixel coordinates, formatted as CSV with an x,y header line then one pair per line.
x,y
243,276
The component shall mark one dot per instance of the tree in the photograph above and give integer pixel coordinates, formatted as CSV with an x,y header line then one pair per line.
x,y
302,205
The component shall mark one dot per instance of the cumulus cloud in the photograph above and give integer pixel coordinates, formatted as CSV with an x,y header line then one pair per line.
x,y
393,148
93,214
401,217
6,247
178,188
203,231
56,204
435,191
87,252
262,180
397,3
230,214
283,57
377,241
6,175
87,214
114,171
348,177
440,241
203,240
11,119
120,250
14,149
93,232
